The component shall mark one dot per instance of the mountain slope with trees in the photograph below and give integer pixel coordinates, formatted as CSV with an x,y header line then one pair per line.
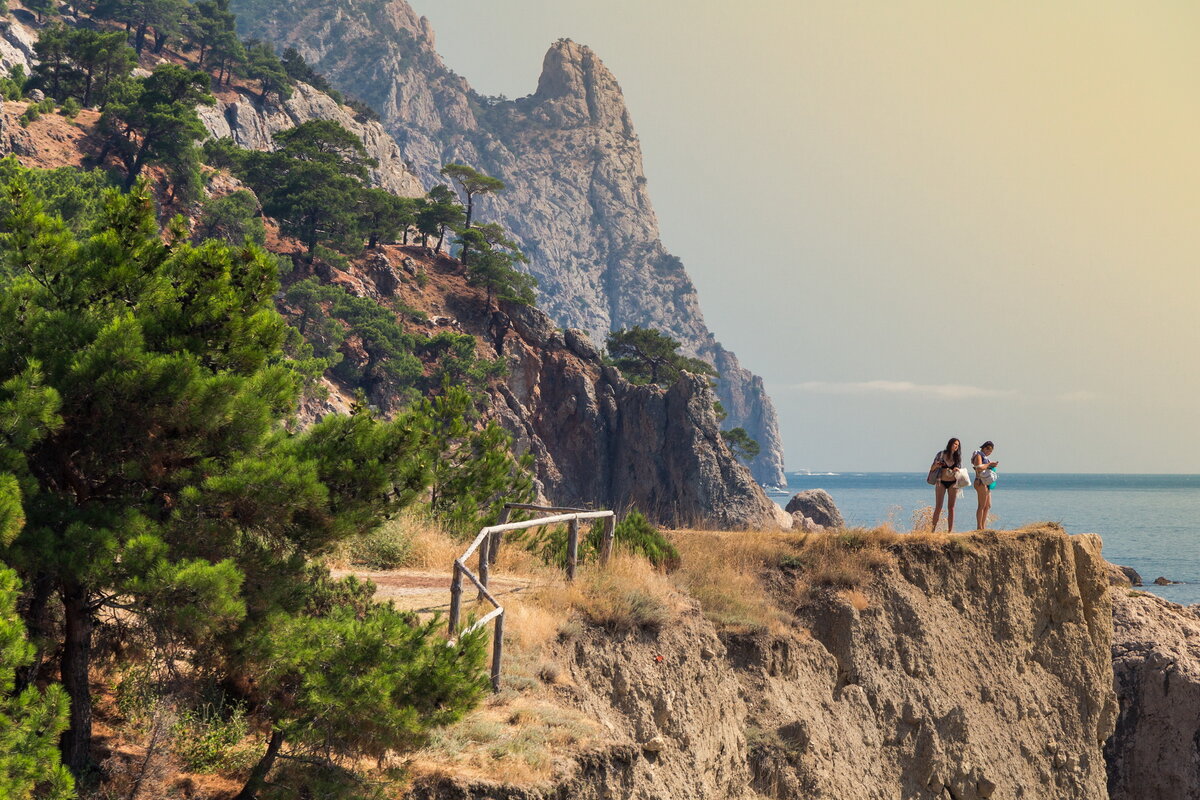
x,y
577,201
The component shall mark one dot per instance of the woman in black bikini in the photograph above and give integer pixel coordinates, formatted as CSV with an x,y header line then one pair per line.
x,y
948,461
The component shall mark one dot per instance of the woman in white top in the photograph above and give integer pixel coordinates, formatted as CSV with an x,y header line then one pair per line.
x,y
980,459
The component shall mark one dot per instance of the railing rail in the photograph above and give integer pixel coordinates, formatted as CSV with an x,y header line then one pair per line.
x,y
487,542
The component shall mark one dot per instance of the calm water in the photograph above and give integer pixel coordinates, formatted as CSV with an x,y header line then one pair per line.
x,y
1148,522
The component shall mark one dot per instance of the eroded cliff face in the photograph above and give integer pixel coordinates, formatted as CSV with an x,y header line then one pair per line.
x,y
576,196
1154,754
975,670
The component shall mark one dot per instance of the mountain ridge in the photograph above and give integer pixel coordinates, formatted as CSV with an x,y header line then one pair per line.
x,y
576,200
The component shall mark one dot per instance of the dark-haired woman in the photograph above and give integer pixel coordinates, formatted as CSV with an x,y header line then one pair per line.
x,y
948,462
981,460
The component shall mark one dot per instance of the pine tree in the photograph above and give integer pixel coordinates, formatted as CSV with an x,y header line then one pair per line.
x,y
30,720
473,183
646,355
144,391
157,120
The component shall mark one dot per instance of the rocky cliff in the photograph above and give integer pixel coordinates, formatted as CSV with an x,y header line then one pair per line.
x,y
972,668
577,198
1154,754
596,438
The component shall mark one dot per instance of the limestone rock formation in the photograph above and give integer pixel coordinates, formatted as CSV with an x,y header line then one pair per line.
x,y
817,505
577,198
251,123
1153,754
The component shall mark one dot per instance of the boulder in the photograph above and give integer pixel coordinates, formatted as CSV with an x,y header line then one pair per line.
x,y
579,344
786,521
1122,576
817,505
1161,581
36,95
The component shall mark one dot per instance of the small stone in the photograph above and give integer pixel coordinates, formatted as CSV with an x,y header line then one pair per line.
x,y
654,745
985,788
707,653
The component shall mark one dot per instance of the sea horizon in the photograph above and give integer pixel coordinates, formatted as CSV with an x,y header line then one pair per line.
x,y
1147,521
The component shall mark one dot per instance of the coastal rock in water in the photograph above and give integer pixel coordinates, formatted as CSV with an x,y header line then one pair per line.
x,y
576,200
1161,581
817,505
1156,669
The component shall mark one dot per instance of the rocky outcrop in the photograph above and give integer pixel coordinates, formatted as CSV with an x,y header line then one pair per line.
x,y
817,505
599,439
251,124
576,197
969,671
1154,754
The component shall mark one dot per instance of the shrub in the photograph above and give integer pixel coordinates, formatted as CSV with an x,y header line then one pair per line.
x,y
635,534
387,547
70,108
209,739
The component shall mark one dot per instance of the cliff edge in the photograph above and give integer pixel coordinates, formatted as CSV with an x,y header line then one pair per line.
x,y
967,667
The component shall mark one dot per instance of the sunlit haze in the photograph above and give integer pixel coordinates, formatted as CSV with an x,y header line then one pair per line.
x,y
916,220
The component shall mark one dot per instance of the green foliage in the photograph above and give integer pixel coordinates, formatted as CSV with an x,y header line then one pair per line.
x,y
151,375
472,183
82,64
160,19
209,738
741,443
474,472
388,547
70,108
382,216
12,86
307,182
438,213
40,7
645,355
74,195
263,65
211,26
232,218
155,121
635,534
356,685
31,720
492,265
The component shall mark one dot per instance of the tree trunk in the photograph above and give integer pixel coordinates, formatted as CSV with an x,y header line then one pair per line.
x,y
258,775
36,625
470,208
76,660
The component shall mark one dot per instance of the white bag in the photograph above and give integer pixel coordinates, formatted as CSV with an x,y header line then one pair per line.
x,y
963,480
988,476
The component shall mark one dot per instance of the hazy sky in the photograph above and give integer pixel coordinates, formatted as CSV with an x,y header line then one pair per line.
x,y
917,220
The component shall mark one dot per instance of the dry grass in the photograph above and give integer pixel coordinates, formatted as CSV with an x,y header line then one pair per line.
x,y
523,741
725,571
627,594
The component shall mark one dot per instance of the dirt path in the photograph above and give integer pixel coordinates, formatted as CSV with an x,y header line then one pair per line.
x,y
429,592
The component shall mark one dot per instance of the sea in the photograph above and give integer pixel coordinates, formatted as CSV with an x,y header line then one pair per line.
x,y
1148,522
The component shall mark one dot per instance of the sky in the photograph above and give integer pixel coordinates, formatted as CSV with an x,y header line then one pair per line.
x,y
916,220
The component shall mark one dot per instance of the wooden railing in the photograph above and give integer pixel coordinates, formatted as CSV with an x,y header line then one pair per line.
x,y
487,543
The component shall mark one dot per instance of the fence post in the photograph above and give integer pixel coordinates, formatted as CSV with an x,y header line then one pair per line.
x,y
494,539
455,598
572,547
484,549
610,530
497,651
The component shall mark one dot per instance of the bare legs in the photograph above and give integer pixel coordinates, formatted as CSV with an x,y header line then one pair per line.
x,y
985,504
939,495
